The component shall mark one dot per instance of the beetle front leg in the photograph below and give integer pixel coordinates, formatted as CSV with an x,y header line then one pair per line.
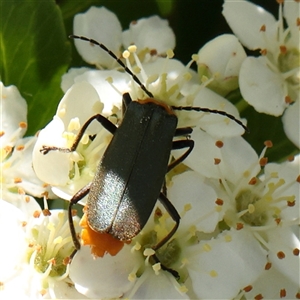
x,y
108,125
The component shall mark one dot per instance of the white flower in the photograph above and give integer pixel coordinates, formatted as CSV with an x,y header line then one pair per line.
x,y
261,209
221,59
103,26
34,257
71,171
18,180
202,261
270,82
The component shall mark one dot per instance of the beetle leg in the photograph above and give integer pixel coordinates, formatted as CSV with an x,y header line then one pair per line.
x,y
174,215
75,199
179,145
108,125
126,101
183,131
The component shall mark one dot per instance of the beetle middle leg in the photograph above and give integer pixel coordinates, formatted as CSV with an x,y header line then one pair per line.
x,y
75,199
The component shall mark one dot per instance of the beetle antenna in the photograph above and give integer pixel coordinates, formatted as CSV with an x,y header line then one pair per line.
x,y
119,61
136,79
212,111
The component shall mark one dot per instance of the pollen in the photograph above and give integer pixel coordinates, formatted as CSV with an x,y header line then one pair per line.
x,y
2,133
280,255
268,266
263,161
228,238
296,251
283,49
74,124
187,207
213,273
263,28
282,293
17,180
219,144
217,161
239,226
219,202
268,143
206,247
248,288
20,147
23,125
126,54
288,100
252,181
170,53
132,48
259,297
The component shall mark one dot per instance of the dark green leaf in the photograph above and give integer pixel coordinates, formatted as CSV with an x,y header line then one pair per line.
x,y
34,54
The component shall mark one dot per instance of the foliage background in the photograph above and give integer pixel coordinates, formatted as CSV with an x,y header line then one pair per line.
x,y
35,52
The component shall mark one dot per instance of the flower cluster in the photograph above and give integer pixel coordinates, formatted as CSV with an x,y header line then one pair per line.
x,y
238,236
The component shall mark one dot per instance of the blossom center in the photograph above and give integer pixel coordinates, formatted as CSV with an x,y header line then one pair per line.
x,y
50,247
289,63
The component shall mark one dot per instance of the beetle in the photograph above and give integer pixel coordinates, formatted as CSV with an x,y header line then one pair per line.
x,y
131,174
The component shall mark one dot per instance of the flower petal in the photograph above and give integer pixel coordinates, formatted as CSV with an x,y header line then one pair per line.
x,y
94,24
291,123
190,188
217,125
105,277
246,19
261,87
236,156
224,265
222,58
13,112
153,33
54,167
151,286
13,237
283,240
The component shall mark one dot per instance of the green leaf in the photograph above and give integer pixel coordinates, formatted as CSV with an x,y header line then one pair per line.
x,y
34,54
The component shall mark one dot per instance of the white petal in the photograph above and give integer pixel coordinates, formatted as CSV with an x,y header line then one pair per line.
x,y
81,101
261,87
104,277
215,124
190,188
110,94
151,286
246,19
152,33
103,26
54,167
13,111
291,123
269,285
223,56
283,239
235,260
68,79
236,155
21,167
291,14
13,236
